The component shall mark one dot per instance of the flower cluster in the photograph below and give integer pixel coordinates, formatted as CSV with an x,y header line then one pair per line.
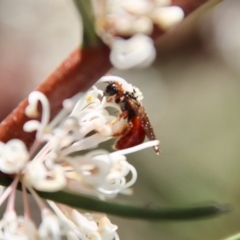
x,y
58,160
134,19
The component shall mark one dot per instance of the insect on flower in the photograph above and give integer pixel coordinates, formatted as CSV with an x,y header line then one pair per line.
x,y
138,124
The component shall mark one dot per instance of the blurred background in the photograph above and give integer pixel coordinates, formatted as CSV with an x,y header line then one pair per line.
x,y
191,94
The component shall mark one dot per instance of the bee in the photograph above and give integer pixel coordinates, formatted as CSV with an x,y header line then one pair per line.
x,y
133,111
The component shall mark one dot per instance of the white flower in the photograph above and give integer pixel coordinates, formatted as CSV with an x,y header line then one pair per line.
x,y
88,124
128,18
92,167
32,111
56,162
116,181
85,226
17,228
68,133
123,17
160,12
43,127
13,156
101,174
106,229
51,227
138,51
42,178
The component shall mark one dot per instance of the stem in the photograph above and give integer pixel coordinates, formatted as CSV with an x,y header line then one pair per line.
x,y
84,8
27,213
9,189
59,213
34,148
11,199
38,200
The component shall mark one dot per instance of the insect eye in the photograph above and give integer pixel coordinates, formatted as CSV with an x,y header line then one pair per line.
x,y
111,89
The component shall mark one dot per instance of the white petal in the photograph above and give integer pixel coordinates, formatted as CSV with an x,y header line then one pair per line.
x,y
71,235
31,126
86,143
166,17
13,156
83,223
31,110
51,227
94,236
106,228
142,25
137,51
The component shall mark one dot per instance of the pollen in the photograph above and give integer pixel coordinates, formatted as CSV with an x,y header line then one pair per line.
x,y
89,98
138,94
31,112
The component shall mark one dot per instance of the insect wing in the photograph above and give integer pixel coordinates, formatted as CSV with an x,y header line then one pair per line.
x,y
148,127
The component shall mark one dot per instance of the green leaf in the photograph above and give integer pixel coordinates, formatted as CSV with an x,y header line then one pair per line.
x,y
122,210
173,213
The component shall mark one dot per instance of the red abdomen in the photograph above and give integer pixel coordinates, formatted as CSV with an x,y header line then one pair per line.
x,y
133,137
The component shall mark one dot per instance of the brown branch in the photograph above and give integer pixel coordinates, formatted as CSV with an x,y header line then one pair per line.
x,y
77,73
